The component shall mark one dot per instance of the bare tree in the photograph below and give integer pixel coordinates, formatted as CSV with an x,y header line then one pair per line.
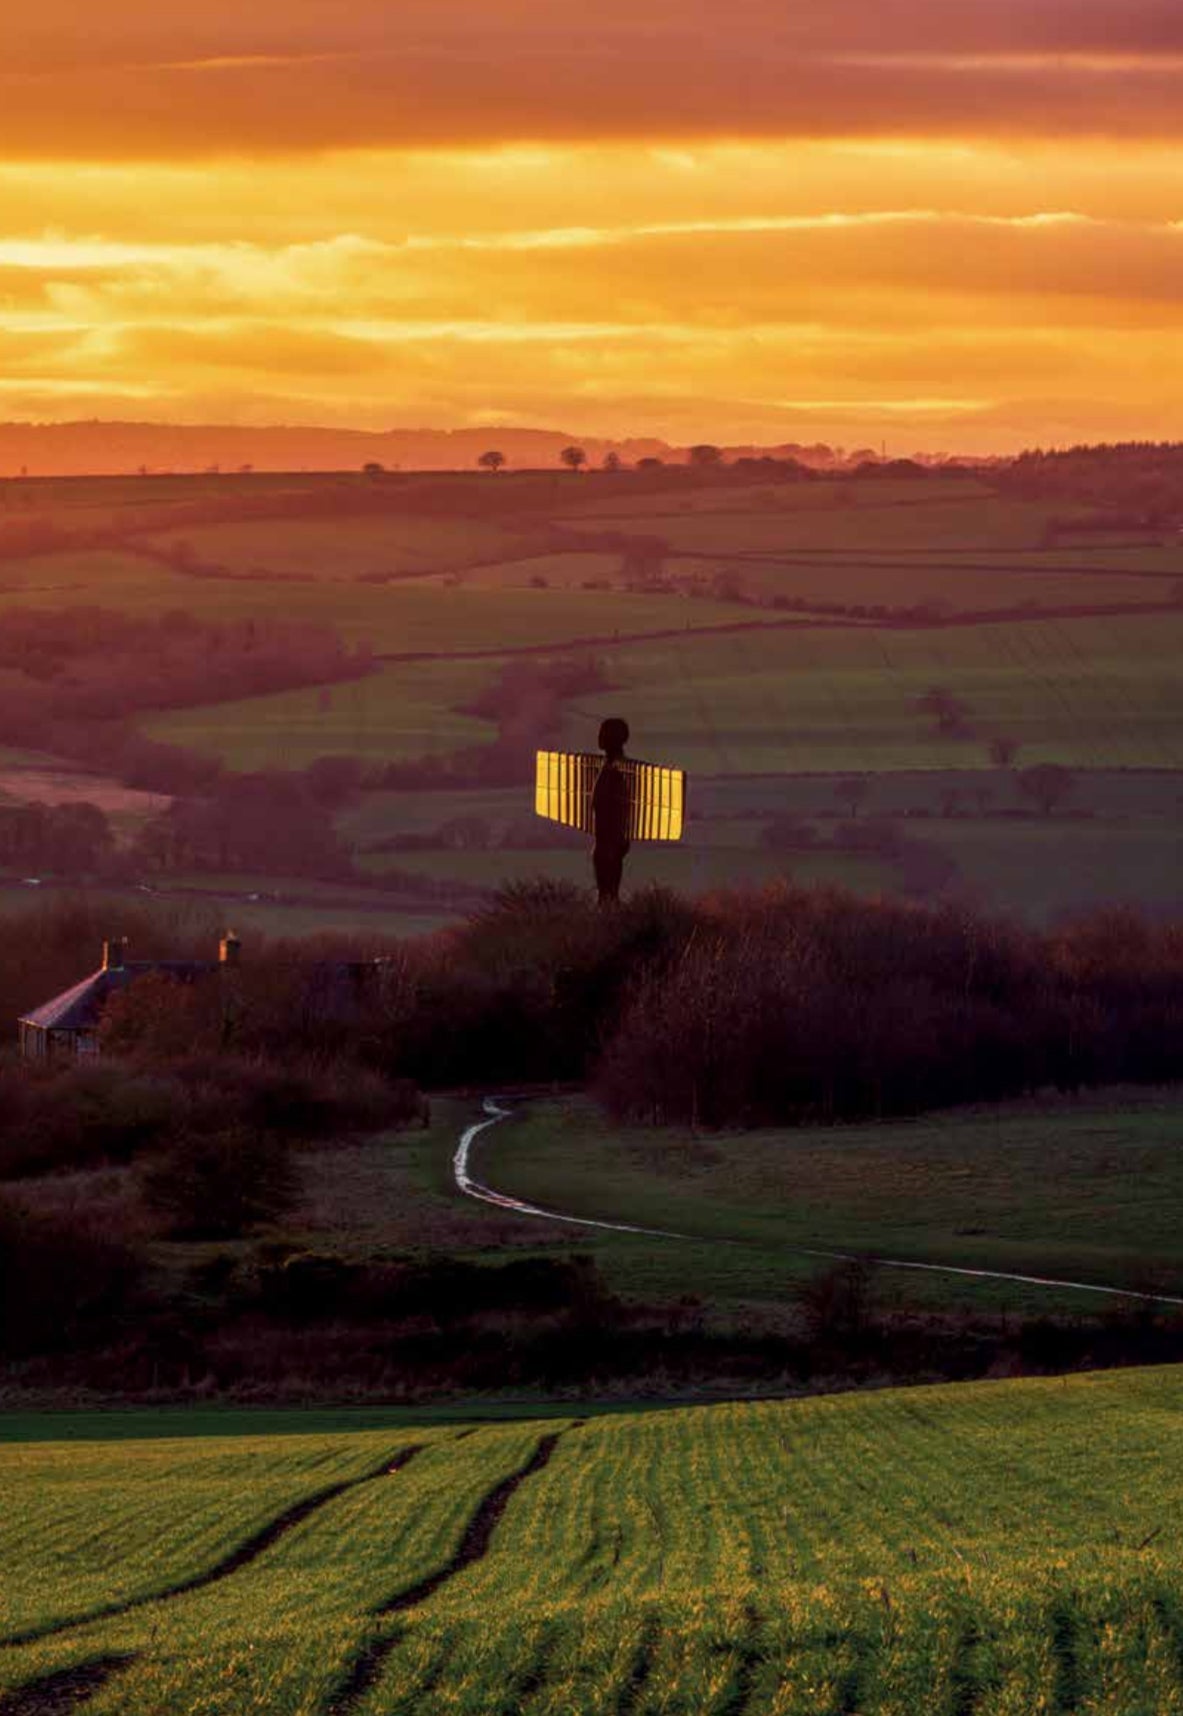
x,y
492,460
573,457
1048,784
1003,751
949,712
611,461
853,792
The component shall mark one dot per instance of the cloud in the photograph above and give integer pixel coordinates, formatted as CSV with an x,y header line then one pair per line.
x,y
302,77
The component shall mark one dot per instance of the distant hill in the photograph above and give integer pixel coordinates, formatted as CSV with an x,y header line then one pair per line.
x,y
118,449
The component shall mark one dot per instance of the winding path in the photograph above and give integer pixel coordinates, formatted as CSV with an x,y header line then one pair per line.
x,y
474,1188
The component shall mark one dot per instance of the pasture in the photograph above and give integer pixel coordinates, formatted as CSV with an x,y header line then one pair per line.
x,y
404,617
1089,1192
1090,693
752,699
993,1549
936,587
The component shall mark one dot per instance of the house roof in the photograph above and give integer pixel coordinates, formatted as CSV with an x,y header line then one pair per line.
x,y
80,1008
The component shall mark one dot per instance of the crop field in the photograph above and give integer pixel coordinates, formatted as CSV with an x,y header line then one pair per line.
x,y
936,586
608,500
1092,693
420,617
386,546
1040,870
733,691
986,521
409,710
987,1550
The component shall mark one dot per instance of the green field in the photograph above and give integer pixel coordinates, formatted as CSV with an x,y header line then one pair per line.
x,y
419,617
994,1549
1093,693
853,522
693,869
387,546
938,587
409,710
1091,1194
765,709
1100,693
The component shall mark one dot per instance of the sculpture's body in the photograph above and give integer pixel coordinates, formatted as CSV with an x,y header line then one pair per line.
x,y
616,800
610,812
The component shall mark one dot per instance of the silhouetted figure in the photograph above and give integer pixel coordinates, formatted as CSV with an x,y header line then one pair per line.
x,y
610,811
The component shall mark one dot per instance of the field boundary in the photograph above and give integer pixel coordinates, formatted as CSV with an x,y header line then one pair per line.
x,y
470,1187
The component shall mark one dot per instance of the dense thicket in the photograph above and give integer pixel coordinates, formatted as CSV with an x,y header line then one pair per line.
x,y
1141,480
785,1005
782,1006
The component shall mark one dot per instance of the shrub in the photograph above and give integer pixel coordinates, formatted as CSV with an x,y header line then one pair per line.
x,y
71,1117
61,1280
216,1185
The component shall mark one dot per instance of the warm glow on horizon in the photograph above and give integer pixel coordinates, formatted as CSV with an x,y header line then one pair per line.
x,y
953,231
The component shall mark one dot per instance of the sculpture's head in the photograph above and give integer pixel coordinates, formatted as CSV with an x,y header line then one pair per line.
x,y
613,736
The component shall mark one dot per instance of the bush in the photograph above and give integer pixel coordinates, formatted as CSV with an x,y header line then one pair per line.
x,y
216,1185
74,1116
61,1281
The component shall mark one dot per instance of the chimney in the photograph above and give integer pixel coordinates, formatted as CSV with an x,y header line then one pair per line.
x,y
113,953
229,950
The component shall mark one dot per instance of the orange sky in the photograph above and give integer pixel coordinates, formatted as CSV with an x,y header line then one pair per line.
x,y
945,224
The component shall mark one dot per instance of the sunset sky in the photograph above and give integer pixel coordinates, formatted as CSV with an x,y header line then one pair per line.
x,y
943,223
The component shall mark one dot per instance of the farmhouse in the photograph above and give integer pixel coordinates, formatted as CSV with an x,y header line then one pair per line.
x,y
68,1026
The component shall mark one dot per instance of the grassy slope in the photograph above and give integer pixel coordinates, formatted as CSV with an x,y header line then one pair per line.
x,y
1090,693
1089,1193
945,589
996,1548
421,616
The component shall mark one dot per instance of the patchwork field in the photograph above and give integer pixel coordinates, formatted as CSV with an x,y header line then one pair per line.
x,y
993,1549
1091,693
937,588
415,617
751,696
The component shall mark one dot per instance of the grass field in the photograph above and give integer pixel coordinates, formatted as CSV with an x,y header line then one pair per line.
x,y
939,587
420,617
1090,693
1093,693
408,710
335,549
869,523
989,1550
265,906
1090,1193
692,869
774,699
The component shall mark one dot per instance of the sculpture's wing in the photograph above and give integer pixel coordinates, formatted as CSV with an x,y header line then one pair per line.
x,y
657,796
657,801
563,787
